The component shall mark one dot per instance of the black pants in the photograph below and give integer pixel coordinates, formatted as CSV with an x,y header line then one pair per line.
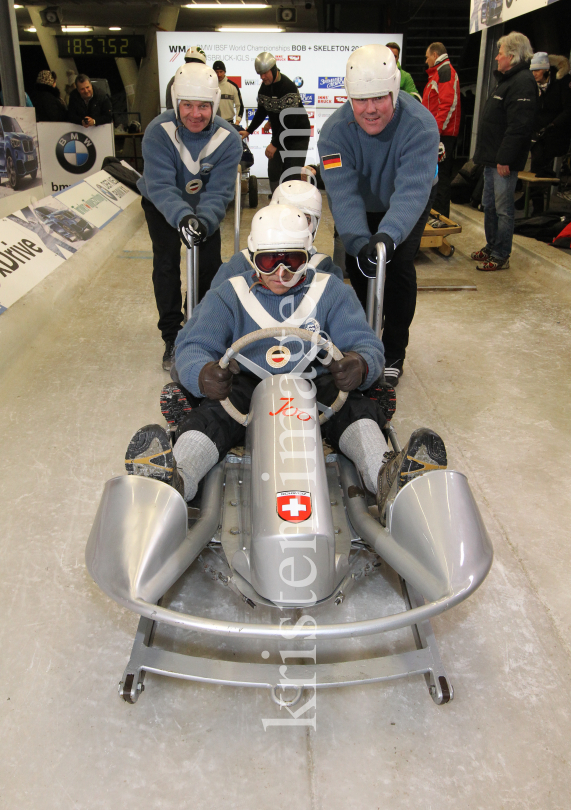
x,y
400,285
166,268
211,419
442,199
281,168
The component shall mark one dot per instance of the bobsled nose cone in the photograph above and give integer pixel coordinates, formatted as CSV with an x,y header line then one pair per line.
x,y
134,549
436,519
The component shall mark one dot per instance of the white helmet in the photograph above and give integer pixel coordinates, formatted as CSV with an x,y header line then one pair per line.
x,y
195,82
372,71
279,228
195,53
302,195
264,61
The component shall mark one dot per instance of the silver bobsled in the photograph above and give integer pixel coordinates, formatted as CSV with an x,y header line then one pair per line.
x,y
292,524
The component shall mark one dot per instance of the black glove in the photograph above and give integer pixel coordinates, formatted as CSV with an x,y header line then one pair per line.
x,y
191,226
215,382
367,256
385,396
349,372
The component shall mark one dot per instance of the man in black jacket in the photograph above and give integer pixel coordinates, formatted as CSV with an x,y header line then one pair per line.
x,y
504,138
278,97
87,106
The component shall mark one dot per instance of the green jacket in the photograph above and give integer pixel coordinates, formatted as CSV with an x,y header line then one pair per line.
x,y
407,83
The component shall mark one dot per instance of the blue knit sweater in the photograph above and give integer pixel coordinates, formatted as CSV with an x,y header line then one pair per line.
x,y
222,319
393,171
175,157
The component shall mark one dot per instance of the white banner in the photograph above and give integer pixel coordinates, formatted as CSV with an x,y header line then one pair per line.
x,y
38,238
484,13
19,156
314,62
71,153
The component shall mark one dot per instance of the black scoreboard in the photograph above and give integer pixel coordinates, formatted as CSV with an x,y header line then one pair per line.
x,y
72,45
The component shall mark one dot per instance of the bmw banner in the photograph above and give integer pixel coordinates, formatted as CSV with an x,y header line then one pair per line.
x,y
70,153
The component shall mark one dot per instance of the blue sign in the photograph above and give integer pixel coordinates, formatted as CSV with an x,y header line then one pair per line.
x,y
331,82
308,99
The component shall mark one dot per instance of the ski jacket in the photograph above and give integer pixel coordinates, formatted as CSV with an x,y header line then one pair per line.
x,y
552,121
190,173
98,107
506,124
239,306
272,100
391,172
48,103
442,96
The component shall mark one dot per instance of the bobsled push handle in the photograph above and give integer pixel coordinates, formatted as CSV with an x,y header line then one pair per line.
x,y
280,332
375,292
237,209
191,279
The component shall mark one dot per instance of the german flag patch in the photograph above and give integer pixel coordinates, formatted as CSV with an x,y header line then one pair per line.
x,y
332,161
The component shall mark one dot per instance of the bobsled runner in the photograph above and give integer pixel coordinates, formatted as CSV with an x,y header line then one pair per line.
x,y
294,530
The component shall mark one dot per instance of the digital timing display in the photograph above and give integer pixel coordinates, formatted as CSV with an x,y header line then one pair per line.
x,y
88,45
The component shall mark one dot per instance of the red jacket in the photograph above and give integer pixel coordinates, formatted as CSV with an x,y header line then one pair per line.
x,y
442,96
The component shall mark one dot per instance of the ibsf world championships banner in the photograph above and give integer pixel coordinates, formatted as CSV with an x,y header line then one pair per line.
x,y
314,62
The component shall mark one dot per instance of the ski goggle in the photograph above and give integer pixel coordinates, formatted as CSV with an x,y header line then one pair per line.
x,y
268,261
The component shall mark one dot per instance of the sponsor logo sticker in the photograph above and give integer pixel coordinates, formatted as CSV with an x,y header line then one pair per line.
x,y
339,99
298,81
331,82
324,100
294,505
294,57
308,98
75,152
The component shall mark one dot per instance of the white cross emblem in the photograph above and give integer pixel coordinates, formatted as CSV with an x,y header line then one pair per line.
x,y
294,507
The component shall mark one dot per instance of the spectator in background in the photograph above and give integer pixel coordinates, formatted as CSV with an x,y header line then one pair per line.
x,y
406,81
442,97
196,55
552,122
276,97
231,104
504,138
46,98
88,106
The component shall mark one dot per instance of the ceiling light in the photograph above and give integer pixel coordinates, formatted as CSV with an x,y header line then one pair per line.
x,y
114,29
76,29
250,30
227,5
17,5
30,30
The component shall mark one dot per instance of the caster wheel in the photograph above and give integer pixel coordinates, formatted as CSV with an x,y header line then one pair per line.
x,y
126,689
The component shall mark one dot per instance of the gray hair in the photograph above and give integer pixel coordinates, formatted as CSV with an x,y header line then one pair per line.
x,y
517,46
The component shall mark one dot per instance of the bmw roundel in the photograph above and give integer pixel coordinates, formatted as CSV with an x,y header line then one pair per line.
x,y
76,152
298,81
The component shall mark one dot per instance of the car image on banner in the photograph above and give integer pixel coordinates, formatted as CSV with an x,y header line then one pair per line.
x,y
19,159
65,223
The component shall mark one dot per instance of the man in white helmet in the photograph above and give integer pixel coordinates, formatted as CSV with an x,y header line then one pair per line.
x,y
195,55
279,288
279,100
191,158
379,155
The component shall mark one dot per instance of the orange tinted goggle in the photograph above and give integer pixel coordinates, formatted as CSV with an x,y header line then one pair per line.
x,y
268,261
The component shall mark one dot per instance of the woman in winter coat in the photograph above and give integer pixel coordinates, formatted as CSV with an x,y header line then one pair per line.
x,y
552,122
46,98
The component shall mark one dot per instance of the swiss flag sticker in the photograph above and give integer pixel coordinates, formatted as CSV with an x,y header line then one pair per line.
x,y
294,506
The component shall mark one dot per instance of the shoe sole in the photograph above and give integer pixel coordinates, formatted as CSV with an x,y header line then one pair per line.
x,y
426,452
149,454
174,405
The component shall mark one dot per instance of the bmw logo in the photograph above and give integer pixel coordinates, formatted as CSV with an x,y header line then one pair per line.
x,y
75,152
298,81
